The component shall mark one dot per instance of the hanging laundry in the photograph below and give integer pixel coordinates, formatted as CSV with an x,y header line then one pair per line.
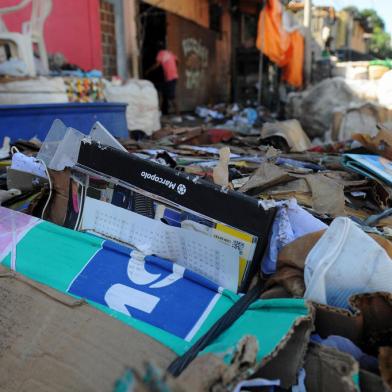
x,y
293,71
272,39
284,48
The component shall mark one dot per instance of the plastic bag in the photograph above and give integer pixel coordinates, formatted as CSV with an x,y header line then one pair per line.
x,y
346,261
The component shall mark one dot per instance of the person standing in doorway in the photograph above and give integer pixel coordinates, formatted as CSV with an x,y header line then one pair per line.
x,y
169,63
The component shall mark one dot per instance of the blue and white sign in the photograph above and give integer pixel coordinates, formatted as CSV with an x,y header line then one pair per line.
x,y
149,288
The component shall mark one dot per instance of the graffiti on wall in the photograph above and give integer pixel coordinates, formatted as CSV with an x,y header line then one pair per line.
x,y
196,62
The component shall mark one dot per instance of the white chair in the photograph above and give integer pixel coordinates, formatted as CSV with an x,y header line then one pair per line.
x,y
8,10
34,28
21,48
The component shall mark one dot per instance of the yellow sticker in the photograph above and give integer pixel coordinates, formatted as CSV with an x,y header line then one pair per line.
x,y
235,233
241,271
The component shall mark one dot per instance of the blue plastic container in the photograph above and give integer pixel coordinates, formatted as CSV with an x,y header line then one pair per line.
x,y
27,121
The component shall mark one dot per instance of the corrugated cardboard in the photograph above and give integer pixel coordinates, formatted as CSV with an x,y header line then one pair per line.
x,y
53,342
328,370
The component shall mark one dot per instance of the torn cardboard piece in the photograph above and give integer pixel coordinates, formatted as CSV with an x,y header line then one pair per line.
x,y
217,375
266,176
380,144
328,369
58,204
283,363
369,326
220,172
371,382
286,361
327,195
385,363
53,342
291,131
362,118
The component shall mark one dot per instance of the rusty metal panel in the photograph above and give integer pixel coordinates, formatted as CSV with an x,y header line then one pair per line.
x,y
224,59
195,10
249,6
195,48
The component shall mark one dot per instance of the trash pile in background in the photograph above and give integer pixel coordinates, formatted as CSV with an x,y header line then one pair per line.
x,y
166,233
234,117
335,108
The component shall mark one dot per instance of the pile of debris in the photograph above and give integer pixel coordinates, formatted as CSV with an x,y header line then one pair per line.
x,y
198,259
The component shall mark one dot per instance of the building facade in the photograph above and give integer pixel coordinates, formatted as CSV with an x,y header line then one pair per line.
x,y
213,39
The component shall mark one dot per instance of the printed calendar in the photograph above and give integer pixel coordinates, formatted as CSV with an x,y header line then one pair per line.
x,y
195,251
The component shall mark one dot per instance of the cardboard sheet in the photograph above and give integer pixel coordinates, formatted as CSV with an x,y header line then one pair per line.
x,y
53,342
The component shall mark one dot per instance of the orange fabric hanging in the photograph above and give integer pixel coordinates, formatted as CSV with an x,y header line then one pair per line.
x,y
272,39
293,71
285,49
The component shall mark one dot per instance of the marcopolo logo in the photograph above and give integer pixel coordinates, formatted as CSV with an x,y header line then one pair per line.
x,y
181,188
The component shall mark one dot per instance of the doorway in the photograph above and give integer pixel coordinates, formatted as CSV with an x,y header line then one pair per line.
x,y
152,30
